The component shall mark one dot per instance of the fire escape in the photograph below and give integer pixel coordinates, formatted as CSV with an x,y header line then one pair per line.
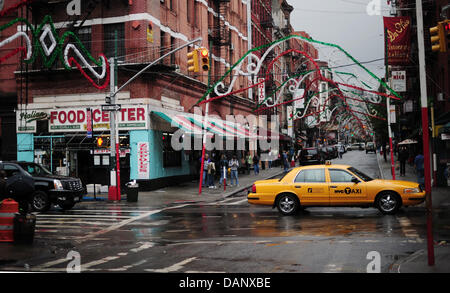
x,y
220,36
267,25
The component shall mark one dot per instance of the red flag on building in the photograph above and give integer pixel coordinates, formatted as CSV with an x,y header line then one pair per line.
x,y
398,36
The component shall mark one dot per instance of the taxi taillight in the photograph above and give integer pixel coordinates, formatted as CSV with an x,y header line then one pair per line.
x,y
253,188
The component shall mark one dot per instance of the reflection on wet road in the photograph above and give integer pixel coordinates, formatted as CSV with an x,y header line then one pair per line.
x,y
225,236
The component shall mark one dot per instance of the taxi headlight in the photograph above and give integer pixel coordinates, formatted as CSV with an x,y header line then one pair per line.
x,y
411,190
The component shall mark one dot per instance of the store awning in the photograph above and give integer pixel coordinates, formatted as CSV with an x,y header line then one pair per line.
x,y
194,125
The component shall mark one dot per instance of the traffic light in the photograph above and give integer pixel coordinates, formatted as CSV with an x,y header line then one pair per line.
x,y
192,62
204,55
438,37
102,142
446,24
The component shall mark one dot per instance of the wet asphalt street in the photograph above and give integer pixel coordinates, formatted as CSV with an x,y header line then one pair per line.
x,y
227,236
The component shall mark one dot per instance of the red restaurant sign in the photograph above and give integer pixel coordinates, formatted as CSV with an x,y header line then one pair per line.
x,y
398,36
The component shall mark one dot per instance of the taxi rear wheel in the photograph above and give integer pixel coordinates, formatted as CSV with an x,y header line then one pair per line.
x,y
288,204
388,203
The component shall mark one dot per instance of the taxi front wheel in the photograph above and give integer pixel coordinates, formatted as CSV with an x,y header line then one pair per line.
x,y
388,203
288,204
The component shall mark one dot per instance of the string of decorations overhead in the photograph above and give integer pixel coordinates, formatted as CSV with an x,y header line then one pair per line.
x,y
44,41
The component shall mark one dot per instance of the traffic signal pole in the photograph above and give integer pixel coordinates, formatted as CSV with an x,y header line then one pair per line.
x,y
202,166
114,188
425,134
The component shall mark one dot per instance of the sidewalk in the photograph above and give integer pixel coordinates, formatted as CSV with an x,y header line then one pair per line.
x,y
189,191
418,261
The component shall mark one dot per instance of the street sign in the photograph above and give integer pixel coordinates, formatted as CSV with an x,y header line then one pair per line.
x,y
112,107
89,123
261,90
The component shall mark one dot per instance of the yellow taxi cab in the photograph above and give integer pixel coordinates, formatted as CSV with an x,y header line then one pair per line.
x,y
334,185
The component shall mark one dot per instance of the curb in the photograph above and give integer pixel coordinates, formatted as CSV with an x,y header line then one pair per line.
x,y
379,168
395,267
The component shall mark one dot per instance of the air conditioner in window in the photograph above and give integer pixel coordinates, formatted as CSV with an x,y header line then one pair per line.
x,y
440,97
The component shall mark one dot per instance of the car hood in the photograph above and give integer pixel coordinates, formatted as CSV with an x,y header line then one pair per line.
x,y
395,182
58,177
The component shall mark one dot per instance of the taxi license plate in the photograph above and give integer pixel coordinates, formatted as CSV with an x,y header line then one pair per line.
x,y
308,157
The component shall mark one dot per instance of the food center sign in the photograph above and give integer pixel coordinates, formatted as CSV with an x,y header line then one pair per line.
x,y
76,119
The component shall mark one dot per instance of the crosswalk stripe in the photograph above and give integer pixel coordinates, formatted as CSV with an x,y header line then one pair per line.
x,y
83,216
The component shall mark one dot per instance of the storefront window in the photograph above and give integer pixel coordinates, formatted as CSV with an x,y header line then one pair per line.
x,y
171,158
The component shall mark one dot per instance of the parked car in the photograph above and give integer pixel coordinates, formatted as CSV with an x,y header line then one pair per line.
x,y
17,184
310,156
370,147
49,189
333,152
357,146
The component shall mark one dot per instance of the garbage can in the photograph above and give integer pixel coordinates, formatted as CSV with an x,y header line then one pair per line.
x,y
132,191
24,226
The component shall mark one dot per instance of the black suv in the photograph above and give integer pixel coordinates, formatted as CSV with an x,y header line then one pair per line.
x,y
311,156
48,188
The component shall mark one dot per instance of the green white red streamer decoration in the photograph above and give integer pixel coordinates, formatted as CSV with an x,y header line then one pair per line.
x,y
43,41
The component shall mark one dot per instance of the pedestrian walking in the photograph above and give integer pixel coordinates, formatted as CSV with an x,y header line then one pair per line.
x,y
285,161
205,169
249,162
211,172
270,158
256,164
418,164
340,151
403,157
223,166
234,165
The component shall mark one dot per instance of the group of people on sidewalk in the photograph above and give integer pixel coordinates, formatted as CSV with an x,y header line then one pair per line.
x,y
224,166
230,167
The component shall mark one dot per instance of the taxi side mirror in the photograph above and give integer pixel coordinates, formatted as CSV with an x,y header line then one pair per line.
x,y
355,180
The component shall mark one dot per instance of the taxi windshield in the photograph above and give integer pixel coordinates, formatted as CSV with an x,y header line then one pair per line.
x,y
360,174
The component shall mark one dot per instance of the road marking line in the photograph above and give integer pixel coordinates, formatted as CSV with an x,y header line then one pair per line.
x,y
83,216
236,203
173,268
125,222
98,262
144,246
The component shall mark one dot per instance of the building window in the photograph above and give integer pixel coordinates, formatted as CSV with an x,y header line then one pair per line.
x,y
196,14
189,12
85,36
171,158
109,36
172,46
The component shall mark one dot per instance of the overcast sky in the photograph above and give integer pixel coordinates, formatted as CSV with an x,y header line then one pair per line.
x,y
345,23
